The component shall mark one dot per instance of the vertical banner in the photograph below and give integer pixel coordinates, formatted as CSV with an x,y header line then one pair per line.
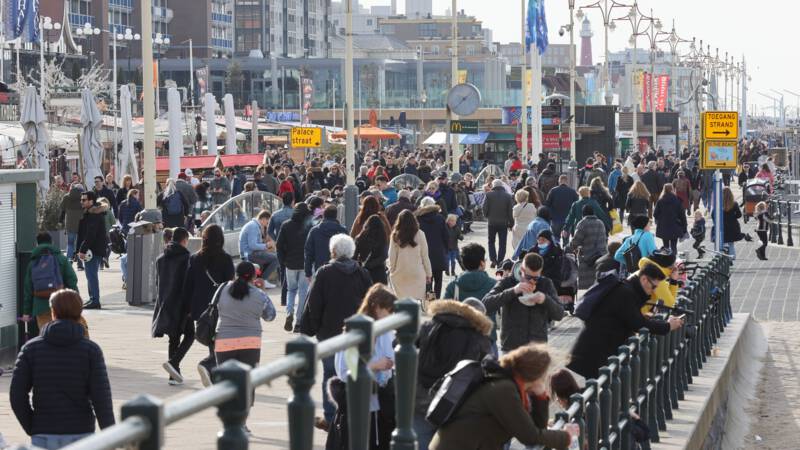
x,y
20,20
155,75
308,93
647,85
662,92
201,75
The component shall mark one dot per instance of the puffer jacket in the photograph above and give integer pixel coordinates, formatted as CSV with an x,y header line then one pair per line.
x,y
172,308
334,295
92,231
432,224
476,284
73,211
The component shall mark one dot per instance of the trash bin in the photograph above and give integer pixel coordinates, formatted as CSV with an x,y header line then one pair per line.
x,y
144,246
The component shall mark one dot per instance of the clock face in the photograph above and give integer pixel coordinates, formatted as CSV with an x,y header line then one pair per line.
x,y
464,99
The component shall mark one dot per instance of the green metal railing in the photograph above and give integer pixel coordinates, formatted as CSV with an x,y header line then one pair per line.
x,y
650,374
145,418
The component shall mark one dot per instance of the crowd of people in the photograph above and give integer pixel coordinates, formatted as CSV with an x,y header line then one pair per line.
x,y
405,239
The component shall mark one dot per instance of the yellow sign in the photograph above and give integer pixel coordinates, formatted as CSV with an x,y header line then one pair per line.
x,y
719,154
462,76
308,137
721,125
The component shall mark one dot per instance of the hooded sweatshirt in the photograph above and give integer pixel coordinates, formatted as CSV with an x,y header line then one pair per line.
x,y
476,284
665,290
67,374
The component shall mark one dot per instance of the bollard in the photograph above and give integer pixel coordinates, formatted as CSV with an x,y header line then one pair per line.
x,y
233,413
789,239
605,407
404,437
301,405
593,415
359,390
150,409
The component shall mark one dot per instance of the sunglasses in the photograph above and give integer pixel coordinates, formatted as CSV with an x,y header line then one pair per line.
x,y
530,277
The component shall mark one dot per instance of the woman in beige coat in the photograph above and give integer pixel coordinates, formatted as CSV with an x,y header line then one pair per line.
x,y
524,212
409,265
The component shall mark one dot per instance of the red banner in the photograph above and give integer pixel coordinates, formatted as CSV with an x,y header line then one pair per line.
x,y
550,141
662,92
646,84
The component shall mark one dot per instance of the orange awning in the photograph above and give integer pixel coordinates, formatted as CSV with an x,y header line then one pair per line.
x,y
367,132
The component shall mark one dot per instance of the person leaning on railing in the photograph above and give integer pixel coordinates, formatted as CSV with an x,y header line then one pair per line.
x,y
512,402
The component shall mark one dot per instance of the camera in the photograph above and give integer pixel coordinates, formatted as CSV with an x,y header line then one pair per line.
x,y
561,31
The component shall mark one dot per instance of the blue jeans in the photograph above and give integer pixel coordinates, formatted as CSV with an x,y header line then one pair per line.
x,y
452,260
71,238
424,429
56,441
123,266
730,249
328,372
267,260
91,267
296,286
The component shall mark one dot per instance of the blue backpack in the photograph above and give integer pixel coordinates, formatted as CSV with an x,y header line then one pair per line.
x,y
46,275
173,204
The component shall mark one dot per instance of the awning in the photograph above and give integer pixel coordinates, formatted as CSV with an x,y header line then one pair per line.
x,y
187,162
495,137
367,132
474,139
437,138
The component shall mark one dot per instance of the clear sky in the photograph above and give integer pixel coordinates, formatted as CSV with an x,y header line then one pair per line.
x,y
758,30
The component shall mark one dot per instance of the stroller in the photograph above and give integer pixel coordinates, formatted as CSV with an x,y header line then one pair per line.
x,y
755,190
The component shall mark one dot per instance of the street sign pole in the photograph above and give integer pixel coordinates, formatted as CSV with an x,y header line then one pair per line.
x,y
719,246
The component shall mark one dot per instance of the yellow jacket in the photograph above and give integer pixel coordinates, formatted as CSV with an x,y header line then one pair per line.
x,y
664,291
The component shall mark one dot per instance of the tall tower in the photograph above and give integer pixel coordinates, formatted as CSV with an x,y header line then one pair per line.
x,y
586,43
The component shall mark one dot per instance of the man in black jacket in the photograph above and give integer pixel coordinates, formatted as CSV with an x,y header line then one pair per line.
x,y
101,190
403,203
498,209
171,315
290,249
527,305
560,200
615,318
67,374
334,295
92,237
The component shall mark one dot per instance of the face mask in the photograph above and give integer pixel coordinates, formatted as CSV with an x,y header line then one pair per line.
x,y
543,248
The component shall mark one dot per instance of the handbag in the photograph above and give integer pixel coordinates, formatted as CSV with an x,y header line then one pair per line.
x,y
206,328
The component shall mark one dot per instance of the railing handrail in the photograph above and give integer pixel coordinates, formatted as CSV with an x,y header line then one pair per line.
x,y
243,196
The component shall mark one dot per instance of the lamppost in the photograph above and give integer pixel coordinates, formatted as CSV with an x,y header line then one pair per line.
x,y
88,31
161,41
608,25
45,24
572,75
635,18
651,32
423,98
797,96
128,37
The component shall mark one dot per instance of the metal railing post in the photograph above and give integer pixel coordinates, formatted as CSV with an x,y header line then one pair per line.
x,y
233,413
789,238
772,228
605,407
150,409
359,387
593,415
624,434
657,380
579,418
635,369
663,372
615,387
404,437
301,405
780,224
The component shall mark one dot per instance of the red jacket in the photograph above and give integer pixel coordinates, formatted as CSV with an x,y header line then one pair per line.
x,y
286,186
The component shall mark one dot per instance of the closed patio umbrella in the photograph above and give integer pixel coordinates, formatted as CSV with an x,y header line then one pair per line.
x,y
34,146
230,125
175,132
127,157
91,148
211,125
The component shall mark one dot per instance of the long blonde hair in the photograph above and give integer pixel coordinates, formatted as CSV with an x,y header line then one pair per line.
x,y
728,202
639,190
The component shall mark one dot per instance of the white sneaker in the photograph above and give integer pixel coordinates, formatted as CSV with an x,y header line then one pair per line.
x,y
269,285
173,382
173,372
205,376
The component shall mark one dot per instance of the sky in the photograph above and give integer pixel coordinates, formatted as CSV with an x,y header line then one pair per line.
x,y
757,31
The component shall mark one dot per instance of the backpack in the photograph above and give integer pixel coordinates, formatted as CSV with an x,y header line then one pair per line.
x,y
173,204
596,293
452,390
632,254
46,275
117,240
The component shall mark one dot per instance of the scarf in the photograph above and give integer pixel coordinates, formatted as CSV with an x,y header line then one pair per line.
x,y
526,401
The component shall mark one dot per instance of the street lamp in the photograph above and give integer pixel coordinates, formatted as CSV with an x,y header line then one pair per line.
x,y
636,19
652,32
608,25
45,24
128,37
161,41
88,31
572,75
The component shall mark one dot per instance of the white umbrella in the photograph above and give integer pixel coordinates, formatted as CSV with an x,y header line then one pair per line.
x,y
230,125
34,145
211,126
90,139
127,157
175,132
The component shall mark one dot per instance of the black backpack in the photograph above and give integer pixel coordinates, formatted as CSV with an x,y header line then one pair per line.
x,y
117,240
596,293
632,254
452,390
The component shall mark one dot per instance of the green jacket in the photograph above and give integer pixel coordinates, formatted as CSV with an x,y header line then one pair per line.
x,y
36,305
473,284
576,214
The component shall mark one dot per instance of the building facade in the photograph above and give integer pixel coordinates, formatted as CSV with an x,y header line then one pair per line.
x,y
418,9
282,28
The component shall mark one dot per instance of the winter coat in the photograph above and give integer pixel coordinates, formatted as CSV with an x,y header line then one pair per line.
x,y
666,290
523,213
531,234
591,237
522,324
449,196
334,295
493,414
108,194
621,191
603,199
291,243
396,208
498,208
654,181
576,214
475,284
173,220
372,255
683,190
73,211
408,268
33,306
453,236
221,197
197,285
122,195
67,374
547,181
128,210
432,224
317,252
424,173
455,332
643,239
553,260
731,229
172,308
188,193
613,321
92,232
559,200
670,217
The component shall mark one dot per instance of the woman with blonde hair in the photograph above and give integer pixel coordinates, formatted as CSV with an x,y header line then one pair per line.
x,y
523,212
409,263
638,201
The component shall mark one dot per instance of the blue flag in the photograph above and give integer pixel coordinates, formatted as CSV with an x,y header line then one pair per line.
x,y
536,27
21,20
